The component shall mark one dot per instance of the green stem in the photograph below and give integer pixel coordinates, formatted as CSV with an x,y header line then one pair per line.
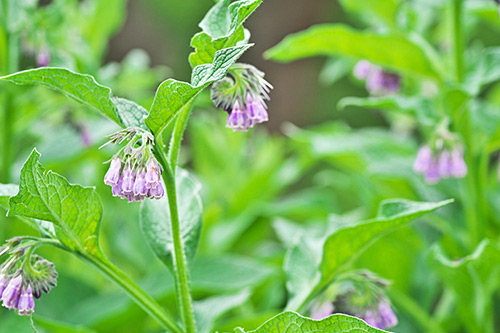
x,y
458,40
175,142
180,266
135,292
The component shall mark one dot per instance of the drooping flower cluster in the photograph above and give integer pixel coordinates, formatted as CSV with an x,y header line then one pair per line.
x,y
242,94
24,277
378,81
134,173
442,158
362,295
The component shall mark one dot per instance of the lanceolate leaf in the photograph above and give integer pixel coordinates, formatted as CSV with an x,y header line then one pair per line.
x,y
172,97
84,89
155,219
393,51
346,244
74,210
292,322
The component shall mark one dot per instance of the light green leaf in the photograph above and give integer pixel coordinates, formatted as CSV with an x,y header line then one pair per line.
x,y
227,273
222,28
346,244
74,210
19,14
223,19
393,51
302,274
292,322
208,73
473,279
205,47
131,113
208,310
79,87
172,97
155,219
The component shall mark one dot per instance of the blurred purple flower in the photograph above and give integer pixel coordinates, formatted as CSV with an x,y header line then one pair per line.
x,y
382,317
43,58
441,164
10,295
378,81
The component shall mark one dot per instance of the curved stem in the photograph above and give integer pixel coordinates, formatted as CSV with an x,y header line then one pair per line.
x,y
175,142
134,291
180,266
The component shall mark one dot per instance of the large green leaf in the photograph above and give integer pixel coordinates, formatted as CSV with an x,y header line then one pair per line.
x,y
473,279
74,210
155,219
222,28
84,89
79,87
345,244
392,50
292,322
172,96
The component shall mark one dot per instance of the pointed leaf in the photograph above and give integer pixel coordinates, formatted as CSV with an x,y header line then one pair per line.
x,y
346,244
73,209
172,97
155,219
292,322
394,51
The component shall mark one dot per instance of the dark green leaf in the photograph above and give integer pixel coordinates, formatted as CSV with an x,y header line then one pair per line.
x,y
74,210
155,219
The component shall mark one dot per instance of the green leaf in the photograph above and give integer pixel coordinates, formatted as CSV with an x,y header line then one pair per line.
x,y
223,19
172,97
205,74
131,113
346,244
393,51
74,210
207,311
292,322
222,28
301,269
155,219
79,87
473,279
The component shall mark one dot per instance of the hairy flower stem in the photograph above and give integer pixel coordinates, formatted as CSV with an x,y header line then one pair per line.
x,y
180,266
135,292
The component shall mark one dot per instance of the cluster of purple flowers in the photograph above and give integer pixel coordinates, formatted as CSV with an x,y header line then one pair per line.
x,y
134,173
242,94
135,184
23,278
378,81
439,164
